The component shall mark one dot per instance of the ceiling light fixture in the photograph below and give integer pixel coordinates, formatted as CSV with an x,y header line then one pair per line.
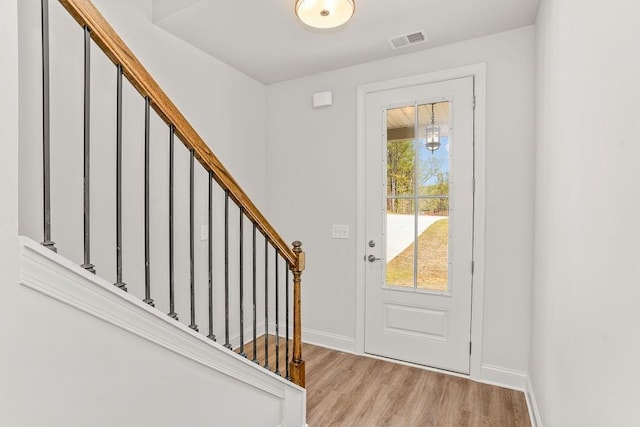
x,y
325,14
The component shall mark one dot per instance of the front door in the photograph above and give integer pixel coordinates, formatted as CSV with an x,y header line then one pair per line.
x,y
419,223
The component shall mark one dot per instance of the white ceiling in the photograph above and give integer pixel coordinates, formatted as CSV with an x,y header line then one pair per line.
x,y
263,38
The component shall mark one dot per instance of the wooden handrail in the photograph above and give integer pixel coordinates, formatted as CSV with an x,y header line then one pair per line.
x,y
85,13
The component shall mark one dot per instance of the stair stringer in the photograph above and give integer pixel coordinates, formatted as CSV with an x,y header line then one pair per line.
x,y
52,275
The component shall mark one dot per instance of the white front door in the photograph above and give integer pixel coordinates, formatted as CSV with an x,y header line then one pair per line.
x,y
419,223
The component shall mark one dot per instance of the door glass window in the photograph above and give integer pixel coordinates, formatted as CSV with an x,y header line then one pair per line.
x,y
417,205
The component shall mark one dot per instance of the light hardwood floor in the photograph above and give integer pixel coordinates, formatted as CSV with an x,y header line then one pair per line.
x,y
348,390
260,353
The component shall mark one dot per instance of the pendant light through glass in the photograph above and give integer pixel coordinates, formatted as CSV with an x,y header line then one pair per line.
x,y
325,14
433,133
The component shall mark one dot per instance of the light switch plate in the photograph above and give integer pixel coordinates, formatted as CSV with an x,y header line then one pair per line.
x,y
204,232
339,231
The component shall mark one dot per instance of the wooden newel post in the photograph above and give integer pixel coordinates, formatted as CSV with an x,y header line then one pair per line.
x,y
296,366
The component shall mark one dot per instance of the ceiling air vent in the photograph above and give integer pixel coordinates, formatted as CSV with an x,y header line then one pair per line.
x,y
408,39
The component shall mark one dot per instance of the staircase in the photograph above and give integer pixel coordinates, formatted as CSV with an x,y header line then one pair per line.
x,y
175,252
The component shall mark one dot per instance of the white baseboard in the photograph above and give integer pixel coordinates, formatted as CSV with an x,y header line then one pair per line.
x,y
503,377
329,340
490,374
532,405
310,336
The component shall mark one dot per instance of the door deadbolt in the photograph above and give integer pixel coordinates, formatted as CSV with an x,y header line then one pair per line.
x,y
372,244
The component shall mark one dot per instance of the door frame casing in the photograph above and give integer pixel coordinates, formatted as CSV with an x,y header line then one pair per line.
x,y
478,72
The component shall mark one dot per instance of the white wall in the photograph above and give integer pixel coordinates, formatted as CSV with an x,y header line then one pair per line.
x,y
312,184
9,136
8,192
585,317
226,107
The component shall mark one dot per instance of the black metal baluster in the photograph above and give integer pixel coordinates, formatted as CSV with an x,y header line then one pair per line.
x,y
119,283
211,335
255,338
266,303
191,244
286,319
277,319
87,157
241,262
147,266
172,313
46,130
226,270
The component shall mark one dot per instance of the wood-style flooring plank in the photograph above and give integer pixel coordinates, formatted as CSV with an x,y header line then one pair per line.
x,y
260,347
348,390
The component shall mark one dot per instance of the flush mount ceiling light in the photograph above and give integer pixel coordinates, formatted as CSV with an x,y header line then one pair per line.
x,y
324,13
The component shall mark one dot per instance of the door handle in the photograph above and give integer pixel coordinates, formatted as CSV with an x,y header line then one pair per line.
x,y
372,258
